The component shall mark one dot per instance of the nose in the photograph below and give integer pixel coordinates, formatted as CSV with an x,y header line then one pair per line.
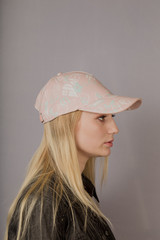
x,y
112,127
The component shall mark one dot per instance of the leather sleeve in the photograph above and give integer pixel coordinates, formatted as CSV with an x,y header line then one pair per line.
x,y
96,229
76,233
35,229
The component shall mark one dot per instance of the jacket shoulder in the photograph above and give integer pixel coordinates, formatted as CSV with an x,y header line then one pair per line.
x,y
40,225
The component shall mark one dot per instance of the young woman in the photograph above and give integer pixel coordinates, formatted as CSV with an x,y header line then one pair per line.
x,y
58,199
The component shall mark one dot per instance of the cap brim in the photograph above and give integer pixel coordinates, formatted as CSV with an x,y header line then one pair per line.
x,y
113,104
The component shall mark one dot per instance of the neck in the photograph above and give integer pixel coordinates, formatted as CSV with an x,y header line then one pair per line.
x,y
82,162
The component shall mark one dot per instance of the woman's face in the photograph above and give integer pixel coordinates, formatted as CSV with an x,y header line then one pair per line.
x,y
92,132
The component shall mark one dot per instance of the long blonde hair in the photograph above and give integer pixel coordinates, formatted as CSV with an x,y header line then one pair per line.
x,y
57,153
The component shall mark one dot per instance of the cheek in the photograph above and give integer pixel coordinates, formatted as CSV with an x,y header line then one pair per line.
x,y
87,135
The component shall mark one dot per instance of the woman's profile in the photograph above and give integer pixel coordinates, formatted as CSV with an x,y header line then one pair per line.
x,y
58,199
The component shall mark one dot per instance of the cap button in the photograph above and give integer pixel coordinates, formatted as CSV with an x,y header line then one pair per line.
x,y
58,74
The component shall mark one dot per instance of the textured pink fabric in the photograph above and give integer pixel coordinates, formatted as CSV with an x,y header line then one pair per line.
x,y
76,90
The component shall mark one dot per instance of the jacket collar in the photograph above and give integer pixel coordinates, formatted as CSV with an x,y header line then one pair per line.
x,y
89,187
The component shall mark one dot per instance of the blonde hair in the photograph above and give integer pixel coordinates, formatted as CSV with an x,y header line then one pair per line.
x,y
57,153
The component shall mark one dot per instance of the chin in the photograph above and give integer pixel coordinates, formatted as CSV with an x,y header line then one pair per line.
x,y
107,154
104,155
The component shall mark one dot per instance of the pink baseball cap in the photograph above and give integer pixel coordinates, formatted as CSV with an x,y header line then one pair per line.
x,y
77,90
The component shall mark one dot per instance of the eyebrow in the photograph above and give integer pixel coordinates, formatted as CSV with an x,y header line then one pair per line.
x,y
100,114
104,114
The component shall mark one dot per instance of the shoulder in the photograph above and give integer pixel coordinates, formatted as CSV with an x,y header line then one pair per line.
x,y
41,209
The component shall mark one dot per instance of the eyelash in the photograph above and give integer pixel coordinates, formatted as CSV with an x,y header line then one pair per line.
x,y
103,116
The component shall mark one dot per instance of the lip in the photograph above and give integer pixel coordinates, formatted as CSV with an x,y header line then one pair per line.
x,y
111,141
109,144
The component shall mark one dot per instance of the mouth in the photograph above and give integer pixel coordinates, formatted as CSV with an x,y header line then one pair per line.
x,y
110,143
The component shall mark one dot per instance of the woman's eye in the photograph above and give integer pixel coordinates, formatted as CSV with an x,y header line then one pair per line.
x,y
103,116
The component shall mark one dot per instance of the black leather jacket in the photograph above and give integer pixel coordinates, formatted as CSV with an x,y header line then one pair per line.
x,y
64,230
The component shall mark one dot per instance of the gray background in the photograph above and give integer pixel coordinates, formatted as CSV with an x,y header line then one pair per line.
x,y
119,42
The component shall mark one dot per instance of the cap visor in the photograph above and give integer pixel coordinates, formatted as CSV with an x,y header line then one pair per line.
x,y
113,104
